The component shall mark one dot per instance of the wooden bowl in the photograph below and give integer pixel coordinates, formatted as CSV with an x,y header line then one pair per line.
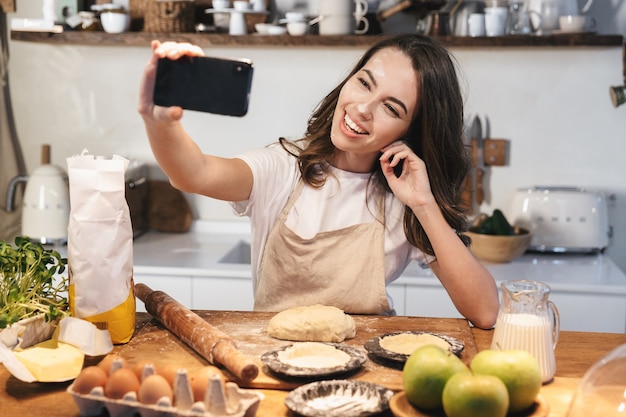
x,y
499,249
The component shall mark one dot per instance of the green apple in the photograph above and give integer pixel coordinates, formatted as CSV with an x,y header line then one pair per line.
x,y
518,369
426,372
467,394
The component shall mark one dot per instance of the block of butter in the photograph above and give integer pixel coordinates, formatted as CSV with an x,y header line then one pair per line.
x,y
52,361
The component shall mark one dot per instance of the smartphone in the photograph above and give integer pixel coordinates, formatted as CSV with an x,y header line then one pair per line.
x,y
206,84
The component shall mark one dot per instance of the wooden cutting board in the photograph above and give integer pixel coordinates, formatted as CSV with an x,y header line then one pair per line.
x,y
155,343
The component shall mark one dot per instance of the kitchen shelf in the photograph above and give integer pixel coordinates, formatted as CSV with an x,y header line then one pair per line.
x,y
214,39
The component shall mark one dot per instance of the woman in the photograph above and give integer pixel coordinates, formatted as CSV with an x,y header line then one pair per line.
x,y
374,184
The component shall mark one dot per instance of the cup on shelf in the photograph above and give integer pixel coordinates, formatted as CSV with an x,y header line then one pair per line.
x,y
549,16
220,4
258,5
476,25
576,23
114,20
297,28
241,5
495,20
343,17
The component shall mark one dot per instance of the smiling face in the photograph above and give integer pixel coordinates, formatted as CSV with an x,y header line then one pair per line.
x,y
375,108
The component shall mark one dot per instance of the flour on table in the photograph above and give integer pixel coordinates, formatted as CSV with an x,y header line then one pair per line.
x,y
313,355
316,323
407,343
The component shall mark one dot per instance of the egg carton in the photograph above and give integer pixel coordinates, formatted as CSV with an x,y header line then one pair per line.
x,y
220,400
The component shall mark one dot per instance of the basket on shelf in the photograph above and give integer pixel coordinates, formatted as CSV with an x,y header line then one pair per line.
x,y
162,15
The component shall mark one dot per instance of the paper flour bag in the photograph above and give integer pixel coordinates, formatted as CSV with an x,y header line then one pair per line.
x,y
100,245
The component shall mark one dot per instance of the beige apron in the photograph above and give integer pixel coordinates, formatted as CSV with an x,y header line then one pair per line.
x,y
344,268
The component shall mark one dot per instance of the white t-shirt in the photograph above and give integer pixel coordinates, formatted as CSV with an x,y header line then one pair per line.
x,y
336,205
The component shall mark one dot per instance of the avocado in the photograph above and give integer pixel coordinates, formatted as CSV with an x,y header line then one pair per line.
x,y
496,224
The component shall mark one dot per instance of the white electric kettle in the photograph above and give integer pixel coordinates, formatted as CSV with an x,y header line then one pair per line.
x,y
46,203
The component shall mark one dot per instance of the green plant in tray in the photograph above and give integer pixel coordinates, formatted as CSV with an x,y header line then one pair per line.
x,y
27,282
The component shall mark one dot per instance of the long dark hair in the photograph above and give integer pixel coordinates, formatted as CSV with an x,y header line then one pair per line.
x,y
435,134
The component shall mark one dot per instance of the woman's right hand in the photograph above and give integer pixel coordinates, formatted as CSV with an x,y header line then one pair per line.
x,y
146,107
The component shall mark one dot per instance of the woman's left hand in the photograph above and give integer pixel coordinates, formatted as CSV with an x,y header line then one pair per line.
x,y
412,187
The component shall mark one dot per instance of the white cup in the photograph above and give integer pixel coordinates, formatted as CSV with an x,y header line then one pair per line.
x,y
241,5
220,4
114,22
476,24
495,20
343,17
576,23
258,5
549,16
297,28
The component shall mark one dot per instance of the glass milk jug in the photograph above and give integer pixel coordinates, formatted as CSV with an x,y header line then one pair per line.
x,y
527,320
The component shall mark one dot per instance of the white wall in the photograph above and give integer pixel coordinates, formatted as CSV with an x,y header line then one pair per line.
x,y
551,103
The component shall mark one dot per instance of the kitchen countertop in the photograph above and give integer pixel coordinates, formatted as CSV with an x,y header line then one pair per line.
x,y
576,352
198,253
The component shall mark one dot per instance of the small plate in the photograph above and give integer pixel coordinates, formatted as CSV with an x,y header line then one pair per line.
x,y
272,360
401,407
373,346
339,398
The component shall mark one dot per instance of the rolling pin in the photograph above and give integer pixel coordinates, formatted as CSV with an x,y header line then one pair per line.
x,y
213,344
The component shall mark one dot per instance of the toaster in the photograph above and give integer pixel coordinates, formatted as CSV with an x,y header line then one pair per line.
x,y
562,219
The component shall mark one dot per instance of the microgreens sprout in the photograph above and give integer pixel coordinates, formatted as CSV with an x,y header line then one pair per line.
x,y
27,282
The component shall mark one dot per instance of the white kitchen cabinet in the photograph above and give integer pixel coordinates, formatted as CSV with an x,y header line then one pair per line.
x,y
579,311
429,301
176,286
398,295
215,293
591,312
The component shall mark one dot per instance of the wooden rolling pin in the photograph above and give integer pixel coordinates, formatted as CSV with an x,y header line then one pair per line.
x,y
213,344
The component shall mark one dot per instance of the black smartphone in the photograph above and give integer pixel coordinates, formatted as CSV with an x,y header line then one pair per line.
x,y
206,84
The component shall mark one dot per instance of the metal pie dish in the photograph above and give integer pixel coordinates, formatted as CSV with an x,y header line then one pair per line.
x,y
339,398
374,348
273,361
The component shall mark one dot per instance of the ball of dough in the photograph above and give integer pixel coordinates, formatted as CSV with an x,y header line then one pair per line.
x,y
316,323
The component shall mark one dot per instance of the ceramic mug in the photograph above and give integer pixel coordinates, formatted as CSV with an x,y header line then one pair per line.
x,y
241,5
476,24
495,20
343,17
576,23
549,16
220,4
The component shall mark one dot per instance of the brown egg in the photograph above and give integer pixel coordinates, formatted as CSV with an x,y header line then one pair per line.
x,y
168,372
138,368
89,378
107,361
121,382
200,380
153,388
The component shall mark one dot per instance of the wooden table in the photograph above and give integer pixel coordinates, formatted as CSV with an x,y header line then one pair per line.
x,y
576,352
